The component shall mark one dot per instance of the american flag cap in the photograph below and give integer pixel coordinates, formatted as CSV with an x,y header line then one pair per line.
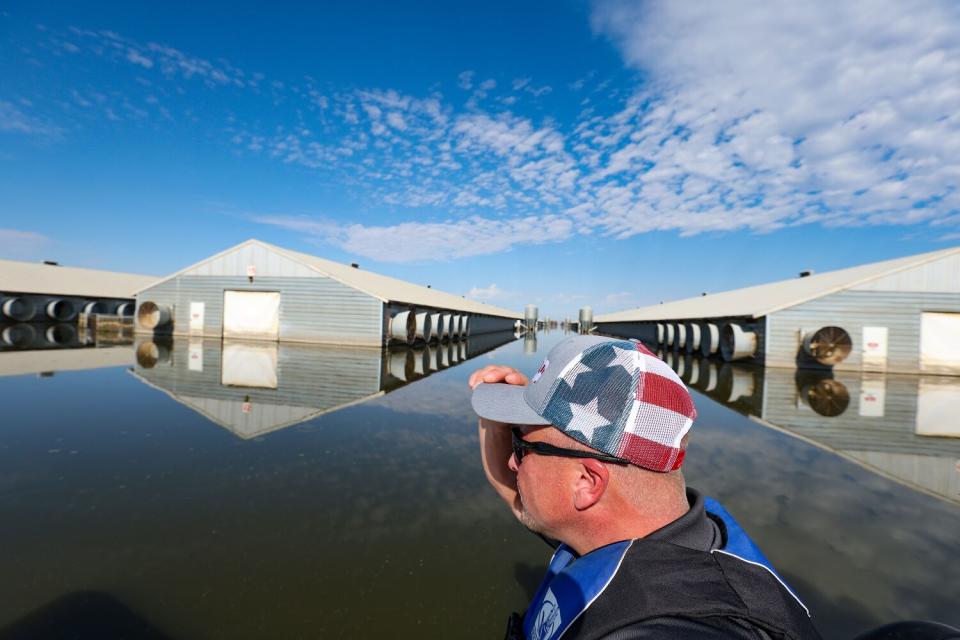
x,y
612,395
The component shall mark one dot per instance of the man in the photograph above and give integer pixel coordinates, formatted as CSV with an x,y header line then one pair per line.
x,y
588,454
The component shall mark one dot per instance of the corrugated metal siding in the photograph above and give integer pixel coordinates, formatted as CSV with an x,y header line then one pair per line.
x,y
853,310
938,276
887,442
268,264
314,309
272,261
249,420
875,425
308,377
894,431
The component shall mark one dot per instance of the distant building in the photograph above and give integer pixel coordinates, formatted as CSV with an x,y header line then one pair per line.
x,y
899,315
255,388
257,290
902,427
47,292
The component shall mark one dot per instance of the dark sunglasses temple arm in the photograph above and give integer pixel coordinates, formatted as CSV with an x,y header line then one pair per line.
x,y
544,449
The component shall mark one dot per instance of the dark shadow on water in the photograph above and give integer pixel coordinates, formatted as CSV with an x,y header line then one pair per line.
x,y
529,577
83,615
855,617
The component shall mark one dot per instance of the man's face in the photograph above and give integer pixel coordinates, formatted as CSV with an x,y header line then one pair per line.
x,y
542,482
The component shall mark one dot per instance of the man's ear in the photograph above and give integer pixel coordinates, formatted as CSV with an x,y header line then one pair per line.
x,y
591,484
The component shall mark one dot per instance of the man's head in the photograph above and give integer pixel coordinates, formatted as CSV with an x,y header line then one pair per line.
x,y
609,398
614,396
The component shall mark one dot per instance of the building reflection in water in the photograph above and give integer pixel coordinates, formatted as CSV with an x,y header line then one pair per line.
x,y
45,348
255,388
901,426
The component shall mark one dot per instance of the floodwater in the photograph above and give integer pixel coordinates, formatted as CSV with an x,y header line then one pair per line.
x,y
201,490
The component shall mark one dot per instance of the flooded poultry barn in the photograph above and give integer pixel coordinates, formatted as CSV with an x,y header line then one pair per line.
x,y
899,315
260,291
42,303
211,488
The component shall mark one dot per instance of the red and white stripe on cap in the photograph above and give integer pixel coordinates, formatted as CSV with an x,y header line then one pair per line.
x,y
660,417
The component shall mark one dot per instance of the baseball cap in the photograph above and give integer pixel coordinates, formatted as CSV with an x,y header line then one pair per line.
x,y
612,395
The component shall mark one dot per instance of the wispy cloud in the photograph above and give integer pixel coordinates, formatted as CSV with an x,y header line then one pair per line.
x,y
751,116
490,293
16,243
425,241
615,301
168,60
14,120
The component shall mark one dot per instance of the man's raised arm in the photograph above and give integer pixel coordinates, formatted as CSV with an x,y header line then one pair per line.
x,y
495,446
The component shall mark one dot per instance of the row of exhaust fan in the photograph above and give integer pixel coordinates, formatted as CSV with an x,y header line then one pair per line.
x,y
24,335
409,364
25,309
404,364
733,340
827,345
412,326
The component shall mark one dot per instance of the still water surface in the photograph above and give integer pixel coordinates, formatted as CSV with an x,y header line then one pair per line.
x,y
205,491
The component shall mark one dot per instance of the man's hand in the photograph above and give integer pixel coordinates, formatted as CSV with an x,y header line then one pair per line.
x,y
497,373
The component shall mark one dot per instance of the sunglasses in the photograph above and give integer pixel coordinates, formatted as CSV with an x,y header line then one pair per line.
x,y
521,447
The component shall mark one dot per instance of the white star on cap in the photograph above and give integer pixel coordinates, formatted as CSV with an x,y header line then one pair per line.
x,y
587,418
626,358
572,379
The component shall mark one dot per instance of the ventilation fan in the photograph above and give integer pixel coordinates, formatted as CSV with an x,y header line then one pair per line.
x,y
18,335
150,353
827,396
828,345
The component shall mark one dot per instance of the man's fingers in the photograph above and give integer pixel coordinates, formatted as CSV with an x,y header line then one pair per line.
x,y
497,373
515,377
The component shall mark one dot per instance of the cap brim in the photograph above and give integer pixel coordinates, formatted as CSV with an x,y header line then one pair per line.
x,y
503,402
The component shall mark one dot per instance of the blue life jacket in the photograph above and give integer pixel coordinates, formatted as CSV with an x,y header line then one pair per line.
x,y
573,584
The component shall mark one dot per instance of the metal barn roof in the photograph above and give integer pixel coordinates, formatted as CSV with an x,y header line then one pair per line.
x,y
34,277
764,299
379,286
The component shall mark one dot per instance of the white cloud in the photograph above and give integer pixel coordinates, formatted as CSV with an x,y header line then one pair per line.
x,y
396,121
13,120
487,294
786,111
750,116
170,61
430,241
524,84
136,57
18,243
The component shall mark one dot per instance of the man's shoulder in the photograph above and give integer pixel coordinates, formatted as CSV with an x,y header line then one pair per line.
x,y
659,583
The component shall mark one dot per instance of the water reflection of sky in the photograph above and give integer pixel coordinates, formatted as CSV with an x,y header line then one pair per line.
x,y
374,519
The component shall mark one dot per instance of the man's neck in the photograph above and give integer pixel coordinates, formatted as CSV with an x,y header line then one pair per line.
x,y
618,522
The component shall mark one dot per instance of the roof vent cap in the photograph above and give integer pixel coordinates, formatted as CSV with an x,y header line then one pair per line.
x,y
806,273
355,265
52,263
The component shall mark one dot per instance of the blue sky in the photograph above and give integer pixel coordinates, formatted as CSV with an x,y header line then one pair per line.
x,y
614,154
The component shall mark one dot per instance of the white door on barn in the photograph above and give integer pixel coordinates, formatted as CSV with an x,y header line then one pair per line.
x,y
940,342
251,314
